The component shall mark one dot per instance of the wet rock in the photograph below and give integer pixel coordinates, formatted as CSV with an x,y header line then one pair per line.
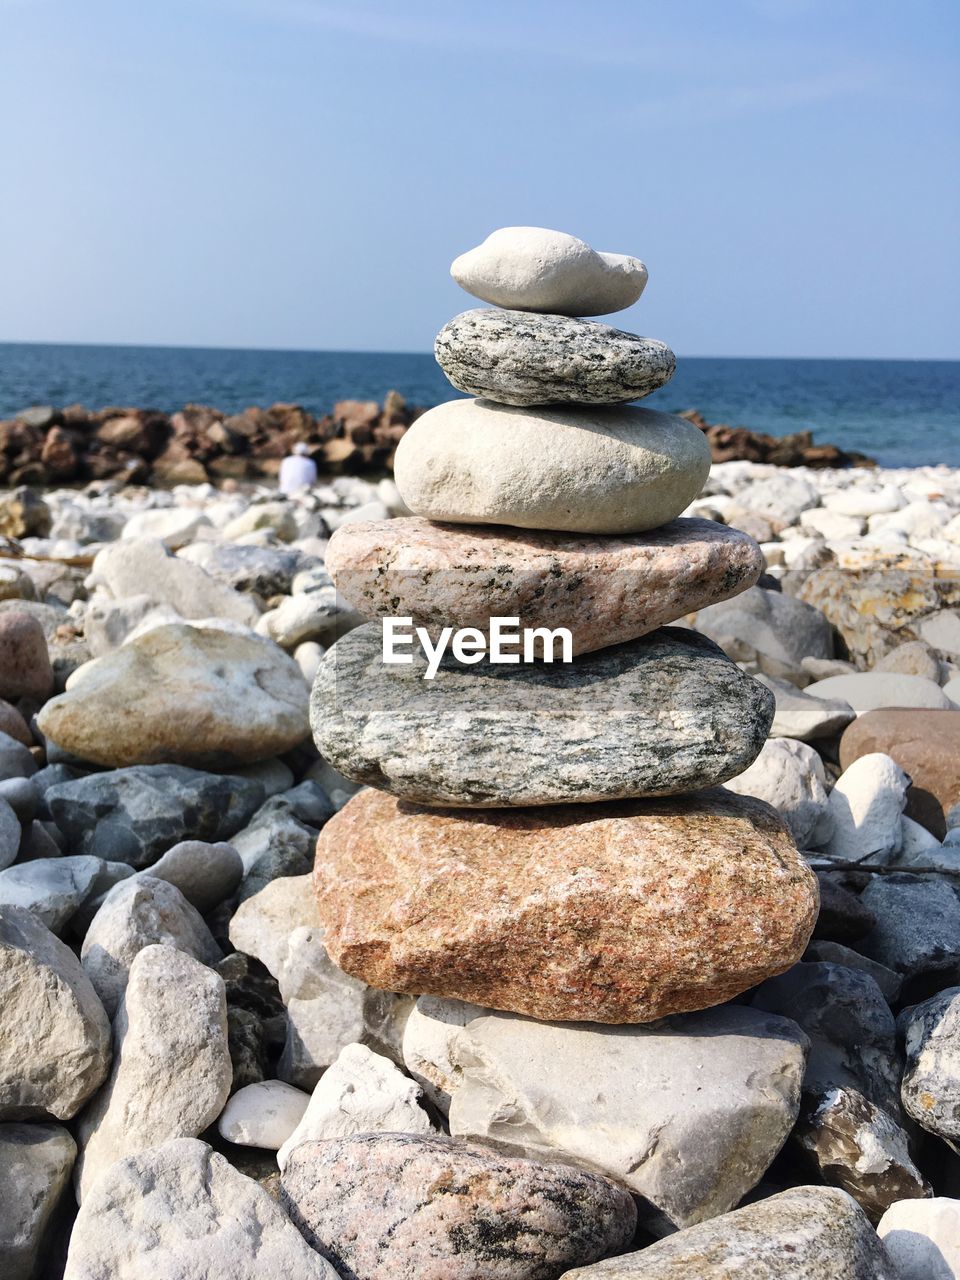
x,y
663,714
410,1207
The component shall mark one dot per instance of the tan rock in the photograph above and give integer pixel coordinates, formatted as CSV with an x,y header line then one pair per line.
x,y
878,604
604,589
620,912
585,469
183,695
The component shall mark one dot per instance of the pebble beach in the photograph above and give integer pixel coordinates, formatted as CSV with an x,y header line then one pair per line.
x,y
642,965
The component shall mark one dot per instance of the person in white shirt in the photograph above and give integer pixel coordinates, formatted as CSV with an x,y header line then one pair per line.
x,y
297,471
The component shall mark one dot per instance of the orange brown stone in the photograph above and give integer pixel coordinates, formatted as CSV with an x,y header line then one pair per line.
x,y
620,912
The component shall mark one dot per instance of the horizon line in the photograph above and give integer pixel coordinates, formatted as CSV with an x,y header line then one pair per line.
x,y
354,351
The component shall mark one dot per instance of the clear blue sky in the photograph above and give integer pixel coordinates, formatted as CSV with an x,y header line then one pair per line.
x,y
294,173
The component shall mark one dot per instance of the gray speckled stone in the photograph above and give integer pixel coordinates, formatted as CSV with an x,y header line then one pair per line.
x,y
518,357
931,1082
663,714
408,1207
806,1233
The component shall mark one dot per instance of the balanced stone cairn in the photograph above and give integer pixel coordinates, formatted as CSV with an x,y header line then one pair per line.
x,y
538,837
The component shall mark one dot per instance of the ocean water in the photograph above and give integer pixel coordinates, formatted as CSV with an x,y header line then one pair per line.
x,y
901,412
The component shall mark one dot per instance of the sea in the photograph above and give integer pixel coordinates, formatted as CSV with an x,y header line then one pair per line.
x,y
900,412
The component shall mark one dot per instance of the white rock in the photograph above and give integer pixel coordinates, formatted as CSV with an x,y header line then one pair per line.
x,y
832,525
307,656
366,511
52,888
320,616
174,527
55,1046
866,805
137,565
620,470
261,926
873,690
204,873
361,1092
263,1114
277,516
865,502
107,623
923,1238
140,912
179,1211
951,691
534,269
687,1112
389,495
789,775
917,843
171,1073
942,632
325,1008
783,497
799,716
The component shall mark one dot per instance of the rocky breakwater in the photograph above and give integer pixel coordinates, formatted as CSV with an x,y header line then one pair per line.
x,y
544,856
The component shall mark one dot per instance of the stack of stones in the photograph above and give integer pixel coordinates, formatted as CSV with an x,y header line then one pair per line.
x,y
549,838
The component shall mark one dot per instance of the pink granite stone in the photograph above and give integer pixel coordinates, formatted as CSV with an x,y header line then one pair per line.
x,y
605,588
